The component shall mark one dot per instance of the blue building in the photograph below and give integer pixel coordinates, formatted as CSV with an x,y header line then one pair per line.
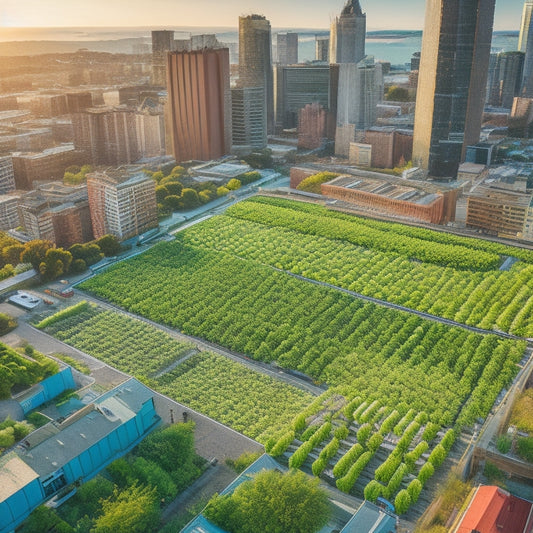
x,y
47,389
56,458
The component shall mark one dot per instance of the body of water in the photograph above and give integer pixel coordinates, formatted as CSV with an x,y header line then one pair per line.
x,y
396,47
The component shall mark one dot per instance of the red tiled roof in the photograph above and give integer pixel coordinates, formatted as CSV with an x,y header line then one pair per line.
x,y
495,511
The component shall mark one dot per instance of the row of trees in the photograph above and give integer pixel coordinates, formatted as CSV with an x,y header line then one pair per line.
x,y
52,262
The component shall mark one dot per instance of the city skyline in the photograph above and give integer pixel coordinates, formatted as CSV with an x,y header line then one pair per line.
x,y
381,14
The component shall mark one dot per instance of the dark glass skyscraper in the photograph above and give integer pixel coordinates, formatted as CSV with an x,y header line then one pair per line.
x,y
452,82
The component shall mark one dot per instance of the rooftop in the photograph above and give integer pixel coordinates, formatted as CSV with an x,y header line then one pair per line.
x,y
393,191
16,474
55,444
494,510
371,518
69,147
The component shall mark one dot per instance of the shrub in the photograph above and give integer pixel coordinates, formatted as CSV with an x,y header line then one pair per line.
x,y
346,461
364,433
402,502
373,490
347,482
448,440
504,443
374,442
341,432
283,443
425,473
525,448
7,323
313,183
430,432
414,489
437,456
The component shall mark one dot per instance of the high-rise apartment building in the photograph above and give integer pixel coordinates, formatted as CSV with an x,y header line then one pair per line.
x,y
452,83
505,78
199,104
295,87
150,123
107,135
162,43
348,34
322,47
287,48
255,59
121,203
248,116
7,175
524,26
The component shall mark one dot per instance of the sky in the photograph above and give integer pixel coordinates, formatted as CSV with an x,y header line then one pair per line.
x,y
381,14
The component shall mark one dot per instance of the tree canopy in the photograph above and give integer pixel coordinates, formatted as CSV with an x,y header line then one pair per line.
x,y
272,503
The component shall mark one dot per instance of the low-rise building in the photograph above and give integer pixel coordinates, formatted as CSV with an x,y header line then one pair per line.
x,y
502,205
60,455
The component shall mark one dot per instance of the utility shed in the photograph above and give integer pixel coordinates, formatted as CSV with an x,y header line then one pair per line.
x,y
62,455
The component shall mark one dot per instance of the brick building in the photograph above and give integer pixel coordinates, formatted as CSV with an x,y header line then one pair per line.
x,y
58,213
389,146
107,134
312,126
50,164
122,203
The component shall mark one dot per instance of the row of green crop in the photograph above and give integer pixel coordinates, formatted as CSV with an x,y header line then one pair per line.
x,y
402,229
252,403
357,232
363,348
502,299
128,344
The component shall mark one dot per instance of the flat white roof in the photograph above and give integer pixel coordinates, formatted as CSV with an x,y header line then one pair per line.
x,y
25,300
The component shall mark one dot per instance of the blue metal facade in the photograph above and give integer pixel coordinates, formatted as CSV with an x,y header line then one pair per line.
x,y
78,451
48,389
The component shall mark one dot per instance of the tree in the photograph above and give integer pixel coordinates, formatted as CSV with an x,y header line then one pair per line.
x,y
174,187
272,502
90,253
109,244
260,159
7,323
135,509
233,184
11,254
222,191
56,263
402,502
173,202
397,94
189,198
34,252
161,192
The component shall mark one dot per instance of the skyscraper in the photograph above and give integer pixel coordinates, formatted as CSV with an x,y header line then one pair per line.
x,y
287,48
348,33
322,47
505,78
255,59
199,103
524,26
162,42
452,82
248,116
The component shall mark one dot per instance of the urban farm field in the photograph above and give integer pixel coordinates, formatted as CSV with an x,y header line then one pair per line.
x,y
250,402
453,277
255,404
360,348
